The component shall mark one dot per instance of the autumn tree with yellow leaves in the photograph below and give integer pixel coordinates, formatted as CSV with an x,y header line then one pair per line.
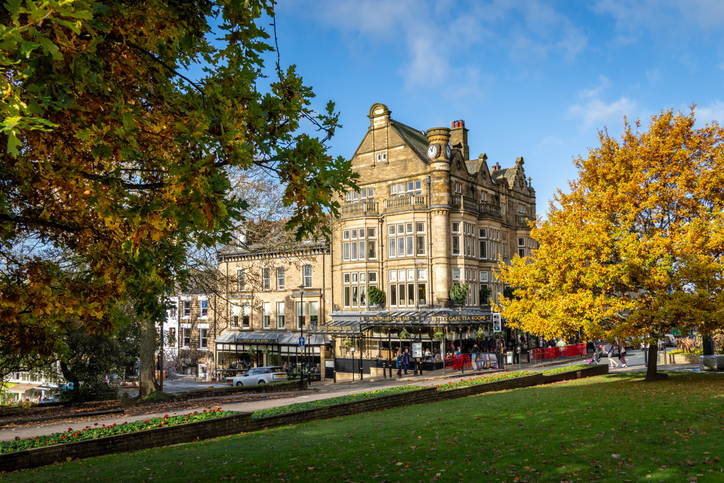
x,y
115,163
635,248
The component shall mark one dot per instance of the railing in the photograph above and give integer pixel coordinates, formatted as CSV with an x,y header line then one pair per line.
x,y
359,209
522,220
486,209
465,203
538,356
417,202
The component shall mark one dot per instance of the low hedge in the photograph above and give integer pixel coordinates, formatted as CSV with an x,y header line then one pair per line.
x,y
559,370
263,413
501,376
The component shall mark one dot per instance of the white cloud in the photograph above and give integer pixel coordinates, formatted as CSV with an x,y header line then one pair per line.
x,y
593,111
712,112
445,40
672,16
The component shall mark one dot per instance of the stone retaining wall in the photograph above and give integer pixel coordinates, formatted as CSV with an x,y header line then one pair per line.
x,y
241,423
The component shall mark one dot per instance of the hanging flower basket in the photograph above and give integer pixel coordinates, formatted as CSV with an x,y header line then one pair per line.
x,y
438,335
347,342
251,352
404,334
480,333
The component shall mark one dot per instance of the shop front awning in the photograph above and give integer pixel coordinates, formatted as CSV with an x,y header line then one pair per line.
x,y
269,338
350,323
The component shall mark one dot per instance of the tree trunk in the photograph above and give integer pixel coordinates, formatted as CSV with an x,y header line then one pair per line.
x,y
147,365
651,370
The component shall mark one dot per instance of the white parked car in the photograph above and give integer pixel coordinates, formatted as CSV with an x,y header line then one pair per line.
x,y
260,375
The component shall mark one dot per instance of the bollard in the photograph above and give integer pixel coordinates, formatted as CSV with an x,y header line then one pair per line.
x,y
384,370
414,373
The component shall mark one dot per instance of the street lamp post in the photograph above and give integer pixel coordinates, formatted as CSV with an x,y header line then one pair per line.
x,y
301,368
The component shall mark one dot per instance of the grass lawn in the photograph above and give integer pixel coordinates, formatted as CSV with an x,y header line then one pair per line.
x,y
609,428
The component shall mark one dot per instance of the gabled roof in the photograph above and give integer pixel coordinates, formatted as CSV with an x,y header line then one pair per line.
x,y
473,166
414,138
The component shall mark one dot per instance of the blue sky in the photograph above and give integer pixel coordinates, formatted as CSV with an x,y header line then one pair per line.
x,y
530,78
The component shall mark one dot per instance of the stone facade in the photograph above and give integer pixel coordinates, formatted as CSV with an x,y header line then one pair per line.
x,y
426,217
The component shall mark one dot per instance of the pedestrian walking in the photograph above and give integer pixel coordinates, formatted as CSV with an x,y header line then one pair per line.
x,y
406,360
622,354
609,353
476,358
399,363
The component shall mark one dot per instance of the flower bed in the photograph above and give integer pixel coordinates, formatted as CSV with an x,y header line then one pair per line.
x,y
110,430
263,413
483,380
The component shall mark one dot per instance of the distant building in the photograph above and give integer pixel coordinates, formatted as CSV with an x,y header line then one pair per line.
x,y
426,217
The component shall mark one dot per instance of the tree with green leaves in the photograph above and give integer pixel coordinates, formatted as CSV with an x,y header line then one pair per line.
x,y
115,155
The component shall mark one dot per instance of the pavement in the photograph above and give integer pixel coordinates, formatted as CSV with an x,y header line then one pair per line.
x,y
317,391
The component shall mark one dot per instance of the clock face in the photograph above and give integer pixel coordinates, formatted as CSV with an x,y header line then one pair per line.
x,y
432,151
447,151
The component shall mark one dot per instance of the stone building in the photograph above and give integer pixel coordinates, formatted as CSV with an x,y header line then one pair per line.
x,y
426,217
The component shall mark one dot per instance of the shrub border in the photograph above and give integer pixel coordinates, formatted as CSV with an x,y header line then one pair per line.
x,y
240,423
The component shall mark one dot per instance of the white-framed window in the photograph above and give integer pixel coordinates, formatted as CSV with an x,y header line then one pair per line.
x,y
313,313
204,307
300,315
483,276
458,188
393,275
280,315
241,280
521,252
345,235
521,241
204,338
482,233
266,278
502,208
235,314
186,340
372,277
173,310
419,245
393,295
307,276
381,157
371,249
397,189
246,316
266,315
456,274
186,309
345,251
280,278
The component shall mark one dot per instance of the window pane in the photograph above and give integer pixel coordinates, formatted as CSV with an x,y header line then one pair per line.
x,y
371,249
393,275
401,246
345,251
391,230
410,274
401,293
420,245
354,295
422,273
361,250
346,296
401,275
354,250
362,296
410,294
372,277
410,246
421,294
455,245
393,244
393,295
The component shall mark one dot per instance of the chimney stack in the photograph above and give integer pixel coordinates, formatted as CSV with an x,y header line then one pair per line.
x,y
495,167
459,138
